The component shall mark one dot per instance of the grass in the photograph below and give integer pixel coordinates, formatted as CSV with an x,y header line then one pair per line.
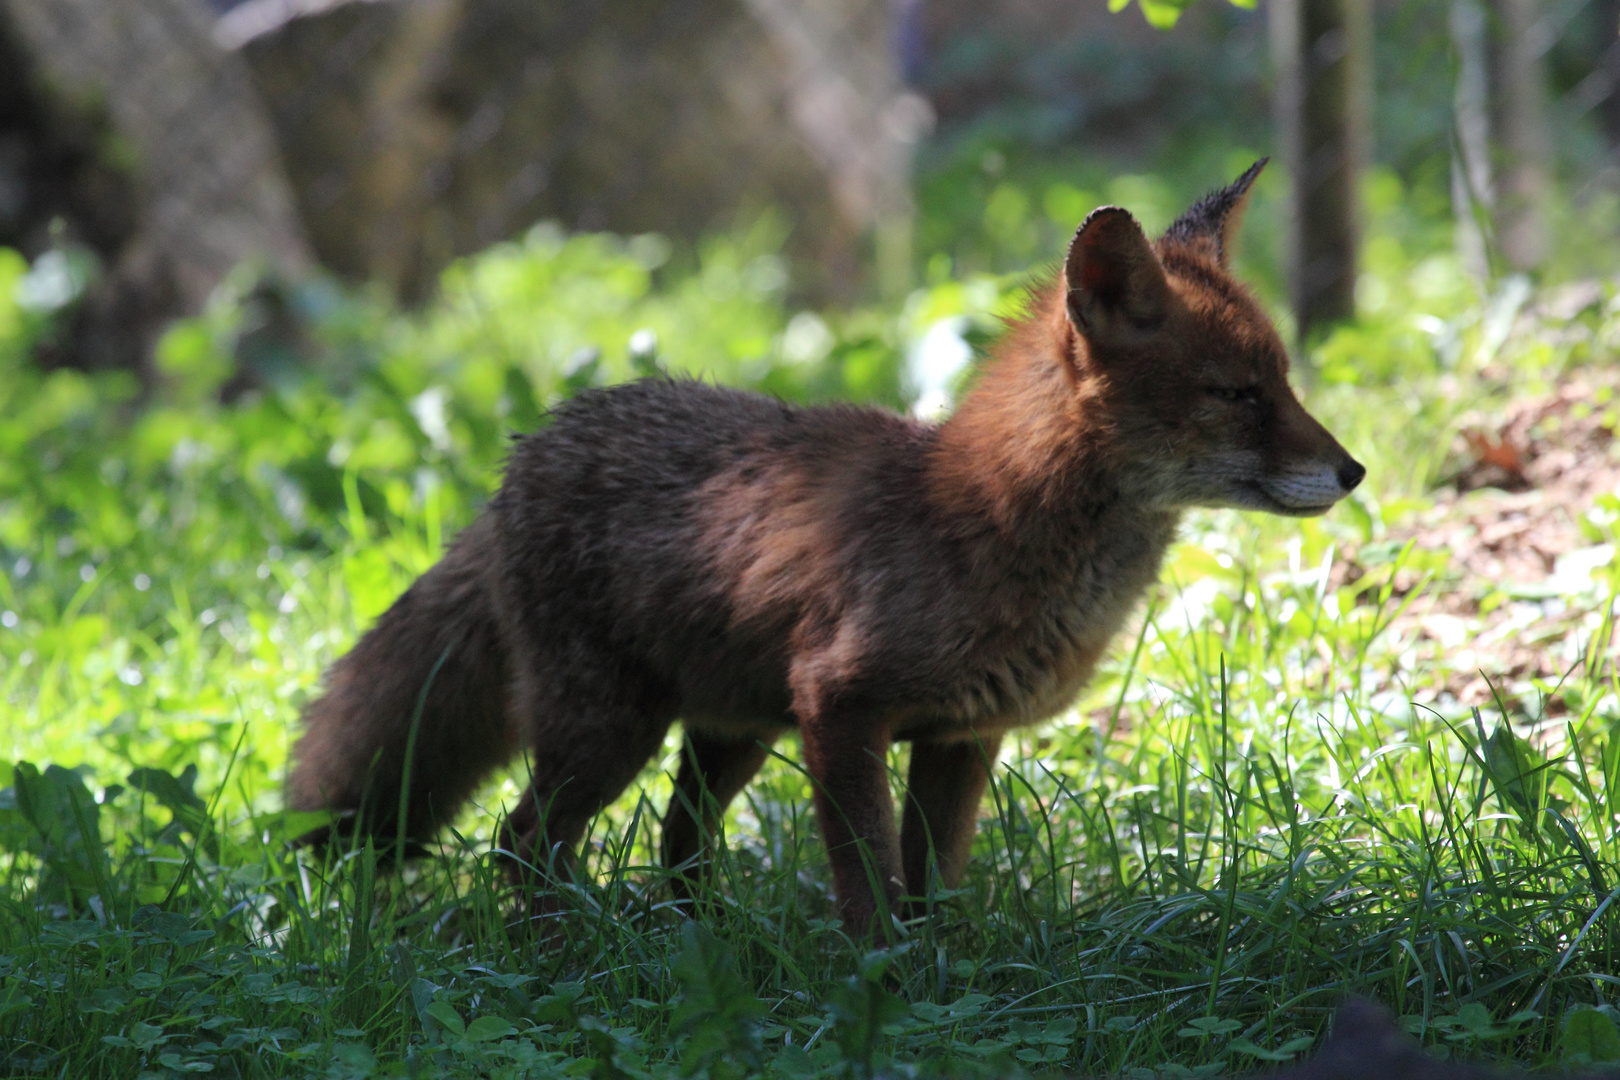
x,y
1246,818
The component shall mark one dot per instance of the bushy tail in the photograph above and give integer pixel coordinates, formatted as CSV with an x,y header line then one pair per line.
x,y
418,708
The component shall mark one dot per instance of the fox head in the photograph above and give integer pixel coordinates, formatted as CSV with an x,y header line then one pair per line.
x,y
1189,370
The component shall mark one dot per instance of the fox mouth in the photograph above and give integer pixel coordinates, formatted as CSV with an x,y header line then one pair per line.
x,y
1261,499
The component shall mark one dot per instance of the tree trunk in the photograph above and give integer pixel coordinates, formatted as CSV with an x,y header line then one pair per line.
x,y
205,174
1608,69
846,99
1473,189
1322,49
1520,118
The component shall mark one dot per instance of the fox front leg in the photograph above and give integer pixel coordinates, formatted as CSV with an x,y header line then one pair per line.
x,y
846,756
943,791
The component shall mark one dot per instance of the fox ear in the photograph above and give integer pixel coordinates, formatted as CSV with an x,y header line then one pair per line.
x,y
1213,220
1111,276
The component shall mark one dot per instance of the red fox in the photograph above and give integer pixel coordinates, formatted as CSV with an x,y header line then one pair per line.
x,y
667,550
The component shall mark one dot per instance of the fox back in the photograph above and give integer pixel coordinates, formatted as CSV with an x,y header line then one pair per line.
x,y
670,550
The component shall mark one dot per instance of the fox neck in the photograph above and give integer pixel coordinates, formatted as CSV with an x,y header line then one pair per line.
x,y
1031,449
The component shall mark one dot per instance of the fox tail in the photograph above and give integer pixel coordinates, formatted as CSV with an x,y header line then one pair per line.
x,y
416,714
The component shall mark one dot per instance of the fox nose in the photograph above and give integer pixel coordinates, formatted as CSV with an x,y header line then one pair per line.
x,y
1350,474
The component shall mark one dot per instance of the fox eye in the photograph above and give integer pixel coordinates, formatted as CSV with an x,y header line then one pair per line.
x,y
1247,394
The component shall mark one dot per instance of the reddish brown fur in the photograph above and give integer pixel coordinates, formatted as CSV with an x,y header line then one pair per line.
x,y
670,550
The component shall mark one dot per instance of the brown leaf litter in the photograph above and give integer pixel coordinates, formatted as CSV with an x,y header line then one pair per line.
x,y
1512,599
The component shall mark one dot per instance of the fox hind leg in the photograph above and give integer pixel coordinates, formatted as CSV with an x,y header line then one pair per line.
x,y
583,758
713,771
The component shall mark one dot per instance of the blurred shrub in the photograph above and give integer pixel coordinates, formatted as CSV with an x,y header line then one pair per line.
x,y
990,209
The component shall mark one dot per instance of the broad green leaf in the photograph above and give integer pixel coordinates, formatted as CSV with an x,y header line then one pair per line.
x,y
177,795
1590,1038
1286,1052
488,1029
446,1016
1517,772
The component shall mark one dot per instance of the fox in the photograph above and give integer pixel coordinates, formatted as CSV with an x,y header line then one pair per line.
x,y
670,550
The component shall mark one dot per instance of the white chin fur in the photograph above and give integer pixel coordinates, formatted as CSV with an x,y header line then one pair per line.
x,y
1240,483
1306,490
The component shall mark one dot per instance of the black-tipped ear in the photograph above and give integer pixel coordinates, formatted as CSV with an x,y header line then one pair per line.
x,y
1213,220
1111,276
